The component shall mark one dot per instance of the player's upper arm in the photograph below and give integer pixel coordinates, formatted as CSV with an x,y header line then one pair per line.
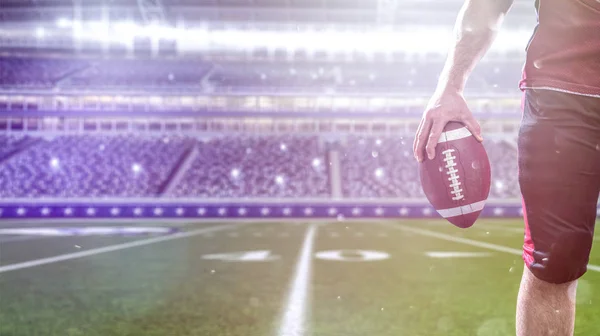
x,y
484,14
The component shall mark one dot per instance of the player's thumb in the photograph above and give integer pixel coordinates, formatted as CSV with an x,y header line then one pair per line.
x,y
473,127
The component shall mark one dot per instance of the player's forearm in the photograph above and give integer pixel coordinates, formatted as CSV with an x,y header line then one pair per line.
x,y
476,27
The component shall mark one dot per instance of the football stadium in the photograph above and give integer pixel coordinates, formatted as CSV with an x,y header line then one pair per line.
x,y
246,168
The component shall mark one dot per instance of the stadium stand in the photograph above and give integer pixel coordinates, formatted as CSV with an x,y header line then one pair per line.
x,y
384,168
380,167
170,75
36,72
139,74
224,166
92,166
505,181
275,166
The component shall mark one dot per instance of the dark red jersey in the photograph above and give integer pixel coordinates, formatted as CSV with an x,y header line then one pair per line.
x,y
564,51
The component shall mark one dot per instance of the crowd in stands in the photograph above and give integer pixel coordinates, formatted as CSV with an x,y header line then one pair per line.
x,y
385,168
274,166
91,166
9,144
282,166
139,74
35,72
379,167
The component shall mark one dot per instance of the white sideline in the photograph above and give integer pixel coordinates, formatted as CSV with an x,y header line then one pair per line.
x,y
466,241
293,322
112,248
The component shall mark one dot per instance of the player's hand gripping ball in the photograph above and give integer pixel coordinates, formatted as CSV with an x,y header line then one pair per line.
x,y
457,181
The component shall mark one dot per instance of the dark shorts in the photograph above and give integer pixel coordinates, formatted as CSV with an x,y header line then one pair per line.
x,y
559,176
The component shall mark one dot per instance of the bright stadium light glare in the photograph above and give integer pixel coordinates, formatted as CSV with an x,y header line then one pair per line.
x,y
40,32
127,29
136,168
98,25
64,23
279,180
54,163
235,173
379,172
99,30
316,162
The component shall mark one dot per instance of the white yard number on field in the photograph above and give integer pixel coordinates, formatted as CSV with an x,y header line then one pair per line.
x,y
265,255
247,256
352,255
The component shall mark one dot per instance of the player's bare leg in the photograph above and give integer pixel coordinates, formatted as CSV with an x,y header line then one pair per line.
x,y
545,309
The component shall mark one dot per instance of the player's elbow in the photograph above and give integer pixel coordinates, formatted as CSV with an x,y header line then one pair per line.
x,y
483,17
504,5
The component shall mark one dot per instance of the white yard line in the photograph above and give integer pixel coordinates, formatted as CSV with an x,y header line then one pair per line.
x,y
293,322
118,247
448,254
466,241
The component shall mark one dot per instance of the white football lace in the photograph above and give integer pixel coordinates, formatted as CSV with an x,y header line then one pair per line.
x,y
453,173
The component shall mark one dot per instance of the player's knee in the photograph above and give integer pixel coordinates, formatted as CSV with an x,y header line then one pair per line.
x,y
565,261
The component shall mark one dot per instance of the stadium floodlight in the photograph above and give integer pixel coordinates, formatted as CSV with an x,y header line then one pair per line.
x,y
127,29
54,163
64,23
40,32
379,172
316,162
100,30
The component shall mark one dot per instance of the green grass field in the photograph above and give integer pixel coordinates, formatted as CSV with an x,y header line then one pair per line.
x,y
276,279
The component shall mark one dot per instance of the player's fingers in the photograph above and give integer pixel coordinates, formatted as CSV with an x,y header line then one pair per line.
x,y
434,137
473,126
422,140
416,139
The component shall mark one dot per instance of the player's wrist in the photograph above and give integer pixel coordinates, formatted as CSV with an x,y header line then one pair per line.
x,y
450,87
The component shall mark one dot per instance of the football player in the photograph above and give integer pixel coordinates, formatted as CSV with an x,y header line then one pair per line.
x,y
558,144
